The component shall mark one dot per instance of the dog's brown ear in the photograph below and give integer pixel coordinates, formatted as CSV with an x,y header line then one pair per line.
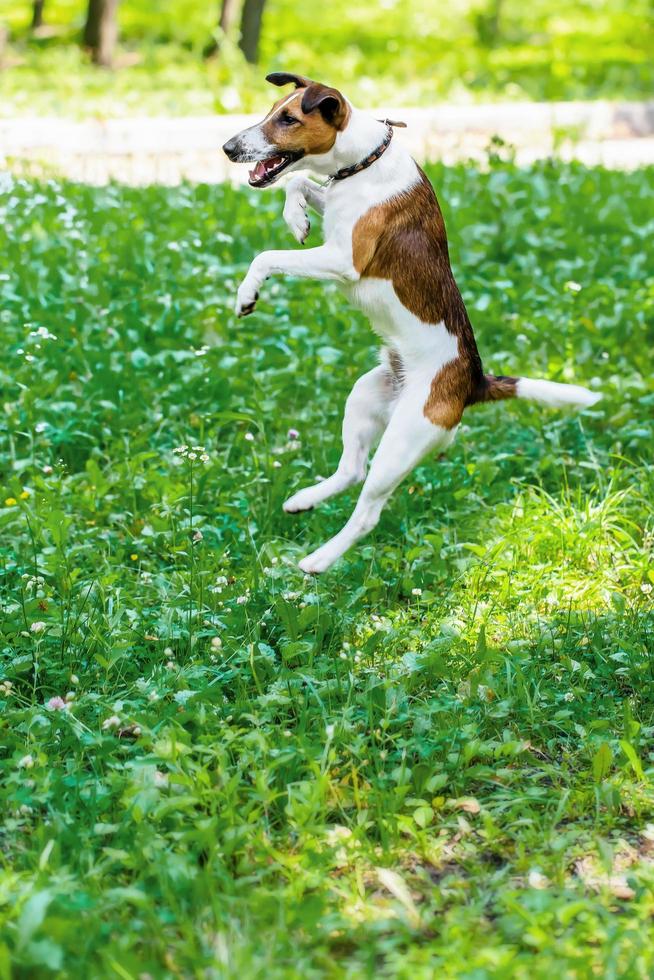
x,y
286,77
329,101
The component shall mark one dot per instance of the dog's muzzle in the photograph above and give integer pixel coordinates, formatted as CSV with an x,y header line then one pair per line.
x,y
232,148
268,165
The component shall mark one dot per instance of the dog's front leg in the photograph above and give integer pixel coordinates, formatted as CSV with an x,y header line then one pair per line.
x,y
301,192
323,262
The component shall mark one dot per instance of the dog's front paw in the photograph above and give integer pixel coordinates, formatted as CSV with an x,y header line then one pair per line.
x,y
295,216
246,299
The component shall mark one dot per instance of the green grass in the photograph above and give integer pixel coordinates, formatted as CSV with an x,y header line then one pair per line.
x,y
244,749
399,52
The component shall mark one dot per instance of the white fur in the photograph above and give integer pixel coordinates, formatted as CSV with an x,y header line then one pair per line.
x,y
377,406
555,394
254,142
407,438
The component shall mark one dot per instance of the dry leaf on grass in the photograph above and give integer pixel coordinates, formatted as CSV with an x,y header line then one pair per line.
x,y
399,889
467,803
594,877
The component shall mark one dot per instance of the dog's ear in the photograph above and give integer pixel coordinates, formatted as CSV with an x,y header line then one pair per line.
x,y
329,101
286,77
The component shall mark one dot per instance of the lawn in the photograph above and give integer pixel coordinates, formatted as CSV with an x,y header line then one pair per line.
x,y
437,759
395,52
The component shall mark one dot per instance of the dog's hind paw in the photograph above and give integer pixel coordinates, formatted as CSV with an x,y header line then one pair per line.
x,y
318,562
302,500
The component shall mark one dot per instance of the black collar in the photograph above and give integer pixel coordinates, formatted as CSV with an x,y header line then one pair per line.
x,y
375,155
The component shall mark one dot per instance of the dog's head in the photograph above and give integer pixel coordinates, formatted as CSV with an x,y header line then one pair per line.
x,y
303,124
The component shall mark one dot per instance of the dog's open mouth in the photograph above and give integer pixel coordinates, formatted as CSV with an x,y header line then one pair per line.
x,y
268,170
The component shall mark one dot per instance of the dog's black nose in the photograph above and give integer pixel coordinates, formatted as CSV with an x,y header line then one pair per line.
x,y
231,147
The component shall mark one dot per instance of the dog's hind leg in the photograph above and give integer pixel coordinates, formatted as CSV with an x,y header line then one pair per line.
x,y
408,437
367,411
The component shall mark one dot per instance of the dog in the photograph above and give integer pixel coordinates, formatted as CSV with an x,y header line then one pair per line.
x,y
385,245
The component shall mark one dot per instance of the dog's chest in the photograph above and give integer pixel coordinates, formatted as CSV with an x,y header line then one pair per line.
x,y
349,200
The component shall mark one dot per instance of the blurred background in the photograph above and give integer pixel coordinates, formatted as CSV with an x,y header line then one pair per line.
x,y
81,58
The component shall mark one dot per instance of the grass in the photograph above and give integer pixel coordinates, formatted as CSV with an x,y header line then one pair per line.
x,y
399,52
435,760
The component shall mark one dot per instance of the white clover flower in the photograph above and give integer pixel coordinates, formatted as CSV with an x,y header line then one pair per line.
x,y
191,456
113,721
43,332
216,643
249,437
27,762
198,536
37,626
241,600
417,592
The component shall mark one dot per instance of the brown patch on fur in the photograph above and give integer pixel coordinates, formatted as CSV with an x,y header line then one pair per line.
x,y
497,388
448,395
314,132
451,392
404,240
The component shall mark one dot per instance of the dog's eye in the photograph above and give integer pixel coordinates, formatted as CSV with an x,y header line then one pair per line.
x,y
286,119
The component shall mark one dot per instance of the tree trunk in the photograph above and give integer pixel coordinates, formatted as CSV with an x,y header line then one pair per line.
x,y
488,24
101,31
251,29
226,20
228,12
496,21
37,14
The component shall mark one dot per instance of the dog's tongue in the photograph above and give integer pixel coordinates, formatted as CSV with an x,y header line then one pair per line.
x,y
264,166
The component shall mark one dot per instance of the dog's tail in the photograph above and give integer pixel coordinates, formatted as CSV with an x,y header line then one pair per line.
x,y
546,392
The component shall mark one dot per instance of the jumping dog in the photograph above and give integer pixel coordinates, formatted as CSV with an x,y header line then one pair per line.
x,y
385,245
